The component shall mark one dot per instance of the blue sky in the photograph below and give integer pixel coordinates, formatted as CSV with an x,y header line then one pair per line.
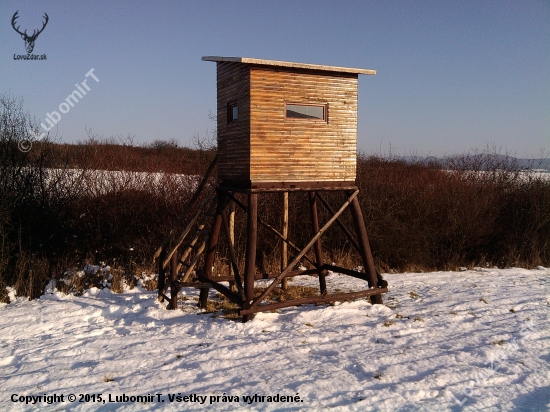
x,y
452,75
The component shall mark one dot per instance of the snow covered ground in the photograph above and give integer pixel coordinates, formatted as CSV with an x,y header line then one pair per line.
x,y
444,341
98,182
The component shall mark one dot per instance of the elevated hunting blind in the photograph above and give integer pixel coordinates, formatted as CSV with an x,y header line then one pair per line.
x,y
284,124
281,127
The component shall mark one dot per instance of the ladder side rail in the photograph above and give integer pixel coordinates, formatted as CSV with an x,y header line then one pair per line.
x,y
187,207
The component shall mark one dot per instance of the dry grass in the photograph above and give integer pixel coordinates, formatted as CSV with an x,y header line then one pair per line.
x,y
77,281
32,274
413,295
122,279
292,292
147,276
230,310
117,281
4,297
108,378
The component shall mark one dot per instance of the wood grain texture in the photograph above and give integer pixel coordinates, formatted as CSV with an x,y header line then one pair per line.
x,y
263,146
233,85
302,150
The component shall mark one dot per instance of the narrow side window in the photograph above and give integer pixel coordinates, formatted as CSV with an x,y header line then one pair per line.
x,y
232,112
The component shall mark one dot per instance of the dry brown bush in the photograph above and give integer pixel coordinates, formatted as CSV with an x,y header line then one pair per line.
x,y
460,214
292,292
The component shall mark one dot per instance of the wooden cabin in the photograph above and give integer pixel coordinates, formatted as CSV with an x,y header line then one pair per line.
x,y
284,124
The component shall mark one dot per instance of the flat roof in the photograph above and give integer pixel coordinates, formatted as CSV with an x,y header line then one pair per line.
x,y
294,65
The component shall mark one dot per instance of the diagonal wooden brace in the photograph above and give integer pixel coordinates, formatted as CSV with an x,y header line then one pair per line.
x,y
315,299
222,289
232,256
278,279
271,229
339,223
186,209
189,226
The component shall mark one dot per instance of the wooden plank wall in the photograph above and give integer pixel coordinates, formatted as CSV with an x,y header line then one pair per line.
x,y
233,85
290,150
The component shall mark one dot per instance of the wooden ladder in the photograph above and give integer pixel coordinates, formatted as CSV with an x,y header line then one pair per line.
x,y
190,245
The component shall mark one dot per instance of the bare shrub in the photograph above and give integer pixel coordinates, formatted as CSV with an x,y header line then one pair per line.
x,y
77,281
473,209
36,193
150,283
4,296
117,281
32,276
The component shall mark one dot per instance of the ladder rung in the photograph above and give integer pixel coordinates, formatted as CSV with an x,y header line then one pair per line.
x,y
190,246
193,285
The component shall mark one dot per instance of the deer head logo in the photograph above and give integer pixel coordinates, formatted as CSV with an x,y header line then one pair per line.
x,y
29,40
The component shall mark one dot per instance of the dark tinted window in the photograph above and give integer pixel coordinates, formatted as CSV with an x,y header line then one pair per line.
x,y
232,112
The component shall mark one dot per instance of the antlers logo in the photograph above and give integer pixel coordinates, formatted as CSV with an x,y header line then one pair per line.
x,y
29,40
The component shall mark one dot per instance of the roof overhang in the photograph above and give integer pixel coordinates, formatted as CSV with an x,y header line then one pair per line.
x,y
278,63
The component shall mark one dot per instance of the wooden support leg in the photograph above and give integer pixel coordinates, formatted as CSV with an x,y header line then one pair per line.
x,y
284,246
162,275
251,242
231,236
211,249
317,246
300,255
203,297
174,290
364,249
